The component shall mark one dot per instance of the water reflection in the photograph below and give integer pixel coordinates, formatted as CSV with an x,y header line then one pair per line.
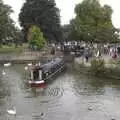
x,y
89,86
68,97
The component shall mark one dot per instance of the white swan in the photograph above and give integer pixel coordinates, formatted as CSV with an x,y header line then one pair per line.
x,y
26,68
3,72
12,111
29,64
7,64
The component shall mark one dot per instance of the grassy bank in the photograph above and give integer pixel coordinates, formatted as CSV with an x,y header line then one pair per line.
x,y
99,70
12,49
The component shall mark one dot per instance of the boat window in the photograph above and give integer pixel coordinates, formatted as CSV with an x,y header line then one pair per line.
x,y
36,74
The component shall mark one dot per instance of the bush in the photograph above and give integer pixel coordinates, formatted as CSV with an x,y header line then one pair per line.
x,y
97,66
35,38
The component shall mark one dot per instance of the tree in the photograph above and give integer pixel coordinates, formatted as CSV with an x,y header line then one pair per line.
x,y
93,21
35,38
45,15
7,27
69,31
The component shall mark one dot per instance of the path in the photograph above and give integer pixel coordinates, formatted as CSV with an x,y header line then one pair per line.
x,y
81,60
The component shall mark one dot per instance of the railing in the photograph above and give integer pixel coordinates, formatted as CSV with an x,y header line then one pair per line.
x,y
55,72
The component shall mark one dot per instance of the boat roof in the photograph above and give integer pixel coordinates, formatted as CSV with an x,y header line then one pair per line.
x,y
52,63
46,67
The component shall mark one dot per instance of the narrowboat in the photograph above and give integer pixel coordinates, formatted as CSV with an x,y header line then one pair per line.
x,y
42,74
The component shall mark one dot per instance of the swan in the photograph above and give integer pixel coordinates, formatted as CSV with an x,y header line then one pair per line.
x,y
26,68
3,72
7,64
12,111
29,64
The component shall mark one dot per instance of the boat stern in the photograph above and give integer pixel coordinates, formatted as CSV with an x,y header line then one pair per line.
x,y
37,83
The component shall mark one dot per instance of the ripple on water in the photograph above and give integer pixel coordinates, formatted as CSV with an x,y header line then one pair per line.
x,y
46,95
87,91
58,115
52,94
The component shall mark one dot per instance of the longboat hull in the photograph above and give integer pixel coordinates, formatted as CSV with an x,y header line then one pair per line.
x,y
42,83
46,72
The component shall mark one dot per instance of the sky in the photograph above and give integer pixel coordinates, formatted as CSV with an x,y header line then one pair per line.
x,y
67,9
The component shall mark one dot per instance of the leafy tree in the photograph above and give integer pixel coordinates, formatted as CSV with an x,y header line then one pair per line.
x,y
45,15
17,36
7,27
70,32
66,31
93,22
35,38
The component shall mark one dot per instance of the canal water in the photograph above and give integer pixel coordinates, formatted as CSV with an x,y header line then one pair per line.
x,y
71,96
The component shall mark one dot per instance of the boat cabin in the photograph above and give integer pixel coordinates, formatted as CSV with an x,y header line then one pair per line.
x,y
39,73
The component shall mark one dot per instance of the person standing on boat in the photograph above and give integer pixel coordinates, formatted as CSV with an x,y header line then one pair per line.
x,y
53,49
86,56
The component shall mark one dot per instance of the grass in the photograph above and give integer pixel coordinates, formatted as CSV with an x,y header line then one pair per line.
x,y
10,49
116,62
4,49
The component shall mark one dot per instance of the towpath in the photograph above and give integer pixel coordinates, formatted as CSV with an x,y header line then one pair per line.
x,y
107,59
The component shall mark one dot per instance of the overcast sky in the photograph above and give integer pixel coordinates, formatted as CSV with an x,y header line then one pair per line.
x,y
67,9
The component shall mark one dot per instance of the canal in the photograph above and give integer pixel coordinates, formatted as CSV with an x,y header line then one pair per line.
x,y
70,96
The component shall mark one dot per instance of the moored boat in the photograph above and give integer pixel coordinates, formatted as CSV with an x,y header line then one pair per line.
x,y
42,74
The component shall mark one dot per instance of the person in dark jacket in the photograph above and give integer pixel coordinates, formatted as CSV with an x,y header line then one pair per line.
x,y
86,57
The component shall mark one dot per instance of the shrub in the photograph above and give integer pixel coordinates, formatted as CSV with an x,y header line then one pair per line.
x,y
97,66
36,39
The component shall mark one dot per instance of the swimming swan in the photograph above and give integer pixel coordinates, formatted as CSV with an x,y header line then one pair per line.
x,y
3,72
29,64
7,64
26,68
12,111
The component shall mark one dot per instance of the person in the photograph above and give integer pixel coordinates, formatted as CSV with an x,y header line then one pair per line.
x,y
114,55
86,57
111,51
52,51
98,54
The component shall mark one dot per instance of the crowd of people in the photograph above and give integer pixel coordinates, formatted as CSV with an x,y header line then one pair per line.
x,y
88,51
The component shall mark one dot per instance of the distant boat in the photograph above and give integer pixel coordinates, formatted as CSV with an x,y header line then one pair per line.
x,y
7,64
12,111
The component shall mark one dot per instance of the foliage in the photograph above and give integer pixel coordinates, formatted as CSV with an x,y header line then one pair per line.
x,y
97,66
36,38
7,49
7,27
93,22
45,15
69,32
116,62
